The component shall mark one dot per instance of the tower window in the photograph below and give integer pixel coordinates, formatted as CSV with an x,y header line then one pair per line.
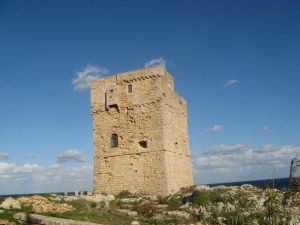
x,y
129,88
114,141
143,144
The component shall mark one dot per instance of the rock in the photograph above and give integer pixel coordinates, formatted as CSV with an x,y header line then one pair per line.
x,y
221,220
70,198
220,207
132,213
186,206
6,222
130,200
3,221
135,223
33,199
187,194
56,199
158,217
228,208
153,198
128,212
51,207
179,214
219,187
10,203
162,206
106,199
202,187
248,187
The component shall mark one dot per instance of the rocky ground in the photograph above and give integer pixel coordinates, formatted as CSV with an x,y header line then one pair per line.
x,y
198,205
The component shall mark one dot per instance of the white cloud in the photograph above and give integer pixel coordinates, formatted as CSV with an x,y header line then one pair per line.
x,y
231,83
224,163
216,128
264,130
4,155
32,178
156,62
83,79
225,149
70,155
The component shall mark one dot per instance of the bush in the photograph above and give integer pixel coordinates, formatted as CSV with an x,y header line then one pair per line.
x,y
204,197
124,194
158,222
162,200
174,203
146,209
93,205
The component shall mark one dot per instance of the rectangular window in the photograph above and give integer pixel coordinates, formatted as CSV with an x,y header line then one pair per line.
x,y
129,88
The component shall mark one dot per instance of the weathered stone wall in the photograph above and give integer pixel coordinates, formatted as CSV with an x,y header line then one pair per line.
x,y
152,114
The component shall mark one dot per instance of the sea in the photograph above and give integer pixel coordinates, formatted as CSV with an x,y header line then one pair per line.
x,y
279,183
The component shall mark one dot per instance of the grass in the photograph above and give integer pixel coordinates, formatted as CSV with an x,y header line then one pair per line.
x,y
246,208
89,211
9,213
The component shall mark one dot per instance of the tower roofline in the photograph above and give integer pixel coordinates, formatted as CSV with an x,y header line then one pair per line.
x,y
138,73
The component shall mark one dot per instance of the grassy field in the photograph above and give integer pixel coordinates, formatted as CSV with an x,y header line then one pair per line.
x,y
223,206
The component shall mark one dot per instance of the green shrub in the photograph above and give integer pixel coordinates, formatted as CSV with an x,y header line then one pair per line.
x,y
124,194
162,200
147,209
158,222
202,198
205,197
93,205
174,203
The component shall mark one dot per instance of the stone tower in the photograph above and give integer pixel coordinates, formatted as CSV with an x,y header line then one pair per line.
x,y
140,134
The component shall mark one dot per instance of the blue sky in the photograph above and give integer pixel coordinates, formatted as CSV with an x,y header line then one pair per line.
x,y
236,63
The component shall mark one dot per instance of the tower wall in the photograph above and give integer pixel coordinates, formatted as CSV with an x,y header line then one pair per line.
x,y
175,138
145,159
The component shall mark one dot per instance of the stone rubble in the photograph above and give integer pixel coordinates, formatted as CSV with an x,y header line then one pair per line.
x,y
135,223
36,199
51,207
6,222
10,203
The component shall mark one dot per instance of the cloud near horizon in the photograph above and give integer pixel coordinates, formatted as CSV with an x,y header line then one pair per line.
x,y
4,155
57,177
221,163
157,62
226,163
83,79
32,178
70,155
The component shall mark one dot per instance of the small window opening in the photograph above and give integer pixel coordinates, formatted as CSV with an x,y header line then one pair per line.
x,y
129,88
114,141
176,144
143,144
